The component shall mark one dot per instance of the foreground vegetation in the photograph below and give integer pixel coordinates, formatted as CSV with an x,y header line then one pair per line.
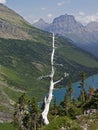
x,y
70,114
6,126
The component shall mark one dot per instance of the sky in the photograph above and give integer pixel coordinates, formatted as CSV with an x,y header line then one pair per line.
x,y
84,11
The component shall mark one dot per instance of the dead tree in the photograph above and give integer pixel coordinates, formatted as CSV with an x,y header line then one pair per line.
x,y
47,100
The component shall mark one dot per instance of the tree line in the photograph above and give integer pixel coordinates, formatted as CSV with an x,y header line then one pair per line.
x,y
27,115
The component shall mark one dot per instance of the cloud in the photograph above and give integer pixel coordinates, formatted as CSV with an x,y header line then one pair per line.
x,y
3,1
49,15
61,3
85,19
43,8
81,13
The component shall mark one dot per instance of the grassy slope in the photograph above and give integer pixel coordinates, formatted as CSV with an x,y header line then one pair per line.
x,y
11,16
6,126
23,62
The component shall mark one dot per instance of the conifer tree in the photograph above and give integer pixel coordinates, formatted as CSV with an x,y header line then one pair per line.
x,y
26,114
33,114
20,110
69,90
82,87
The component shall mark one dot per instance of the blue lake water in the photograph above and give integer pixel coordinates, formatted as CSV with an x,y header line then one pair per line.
x,y
60,93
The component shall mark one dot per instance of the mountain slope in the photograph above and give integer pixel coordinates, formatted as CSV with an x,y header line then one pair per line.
x,y
23,62
13,26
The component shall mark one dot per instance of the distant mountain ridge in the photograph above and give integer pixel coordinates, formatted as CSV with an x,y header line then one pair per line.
x,y
41,24
85,37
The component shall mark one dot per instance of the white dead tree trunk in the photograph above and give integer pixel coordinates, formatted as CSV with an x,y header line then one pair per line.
x,y
48,99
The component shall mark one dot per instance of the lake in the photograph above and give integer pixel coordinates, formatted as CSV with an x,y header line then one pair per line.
x,y
90,81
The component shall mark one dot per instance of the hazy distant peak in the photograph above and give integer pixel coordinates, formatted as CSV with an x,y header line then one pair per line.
x,y
41,24
41,20
92,26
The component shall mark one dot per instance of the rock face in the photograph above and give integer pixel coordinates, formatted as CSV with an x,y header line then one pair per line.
x,y
8,30
65,24
6,117
12,25
85,37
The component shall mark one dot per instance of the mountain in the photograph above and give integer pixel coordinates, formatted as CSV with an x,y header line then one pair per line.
x,y
65,24
92,27
41,24
85,37
12,25
25,56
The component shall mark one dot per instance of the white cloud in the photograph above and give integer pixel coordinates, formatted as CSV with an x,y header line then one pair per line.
x,y
84,18
81,13
61,3
3,1
43,8
49,15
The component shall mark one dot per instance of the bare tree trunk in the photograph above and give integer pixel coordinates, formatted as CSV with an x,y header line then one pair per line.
x,y
48,99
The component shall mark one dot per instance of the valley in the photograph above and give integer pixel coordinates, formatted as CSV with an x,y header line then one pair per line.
x,y
25,53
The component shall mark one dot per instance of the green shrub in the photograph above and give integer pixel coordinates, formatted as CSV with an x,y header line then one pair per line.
x,y
59,122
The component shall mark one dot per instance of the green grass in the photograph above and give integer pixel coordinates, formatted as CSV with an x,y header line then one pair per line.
x,y
13,94
11,74
78,56
10,16
6,126
4,108
93,126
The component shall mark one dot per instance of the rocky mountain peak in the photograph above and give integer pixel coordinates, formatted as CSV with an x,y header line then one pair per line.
x,y
41,24
65,18
41,20
65,24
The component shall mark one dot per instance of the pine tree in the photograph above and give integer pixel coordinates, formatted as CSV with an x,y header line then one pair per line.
x,y
54,108
26,114
90,92
33,114
69,90
82,87
20,110
66,105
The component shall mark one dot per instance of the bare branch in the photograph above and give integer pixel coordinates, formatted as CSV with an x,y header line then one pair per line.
x,y
42,77
59,65
66,74
58,81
